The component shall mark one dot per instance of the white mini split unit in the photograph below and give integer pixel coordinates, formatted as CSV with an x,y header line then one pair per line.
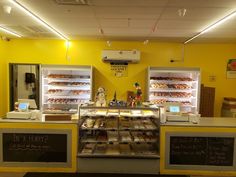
x,y
121,56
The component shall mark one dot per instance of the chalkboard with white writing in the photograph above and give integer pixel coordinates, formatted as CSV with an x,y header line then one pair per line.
x,y
212,151
34,147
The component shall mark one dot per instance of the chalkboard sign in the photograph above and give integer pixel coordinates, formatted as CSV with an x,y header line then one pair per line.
x,y
27,147
213,151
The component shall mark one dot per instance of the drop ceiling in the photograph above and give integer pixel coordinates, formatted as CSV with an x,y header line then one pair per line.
x,y
157,20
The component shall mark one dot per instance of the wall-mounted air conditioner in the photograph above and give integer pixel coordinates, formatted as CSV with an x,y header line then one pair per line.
x,y
121,56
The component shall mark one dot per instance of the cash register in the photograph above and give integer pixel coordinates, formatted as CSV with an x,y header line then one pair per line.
x,y
173,113
23,110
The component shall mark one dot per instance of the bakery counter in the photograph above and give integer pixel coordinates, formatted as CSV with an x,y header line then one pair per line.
x,y
206,148
206,122
38,146
45,118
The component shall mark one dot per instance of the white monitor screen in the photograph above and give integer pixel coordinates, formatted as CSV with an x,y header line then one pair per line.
x,y
174,108
31,102
23,106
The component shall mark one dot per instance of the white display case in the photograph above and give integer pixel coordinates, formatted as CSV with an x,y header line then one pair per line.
x,y
174,85
63,88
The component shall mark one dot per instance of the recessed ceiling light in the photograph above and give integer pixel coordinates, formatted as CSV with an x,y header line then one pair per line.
x,y
9,31
146,42
182,12
7,9
38,19
109,43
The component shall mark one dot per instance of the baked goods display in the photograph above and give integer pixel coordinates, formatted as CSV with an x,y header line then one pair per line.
x,y
100,149
102,136
130,134
68,83
170,86
172,78
111,124
63,101
172,94
112,136
88,148
179,85
118,149
64,88
124,123
66,76
162,101
88,123
125,136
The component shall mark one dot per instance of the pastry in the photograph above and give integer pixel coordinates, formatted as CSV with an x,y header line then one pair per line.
x,y
88,149
112,135
100,149
125,136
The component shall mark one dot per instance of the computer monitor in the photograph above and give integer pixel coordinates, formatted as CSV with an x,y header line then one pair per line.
x,y
23,107
31,102
172,107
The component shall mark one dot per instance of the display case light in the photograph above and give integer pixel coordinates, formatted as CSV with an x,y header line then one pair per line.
x,y
39,19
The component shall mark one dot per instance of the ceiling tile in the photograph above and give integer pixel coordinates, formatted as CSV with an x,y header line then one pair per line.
x,y
142,23
114,22
125,32
202,3
128,12
182,24
173,33
74,23
210,14
116,3
85,31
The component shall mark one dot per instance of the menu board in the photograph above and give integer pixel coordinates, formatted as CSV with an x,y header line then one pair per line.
x,y
34,147
211,151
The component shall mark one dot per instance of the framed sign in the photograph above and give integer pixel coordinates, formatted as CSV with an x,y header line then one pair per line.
x,y
231,69
119,70
210,151
34,147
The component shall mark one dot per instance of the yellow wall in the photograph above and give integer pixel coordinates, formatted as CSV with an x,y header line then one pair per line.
x,y
3,71
211,58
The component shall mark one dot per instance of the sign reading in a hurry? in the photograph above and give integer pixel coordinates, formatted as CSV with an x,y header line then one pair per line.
x,y
34,147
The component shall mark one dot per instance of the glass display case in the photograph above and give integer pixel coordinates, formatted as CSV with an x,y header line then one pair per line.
x,y
65,87
119,132
167,85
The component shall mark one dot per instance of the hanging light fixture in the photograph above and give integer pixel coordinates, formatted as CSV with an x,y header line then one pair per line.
x,y
9,31
212,26
38,19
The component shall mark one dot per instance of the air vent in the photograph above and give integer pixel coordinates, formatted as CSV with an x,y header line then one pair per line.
x,y
72,2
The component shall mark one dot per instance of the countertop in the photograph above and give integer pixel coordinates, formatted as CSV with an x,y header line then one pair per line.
x,y
206,122
203,122
42,120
